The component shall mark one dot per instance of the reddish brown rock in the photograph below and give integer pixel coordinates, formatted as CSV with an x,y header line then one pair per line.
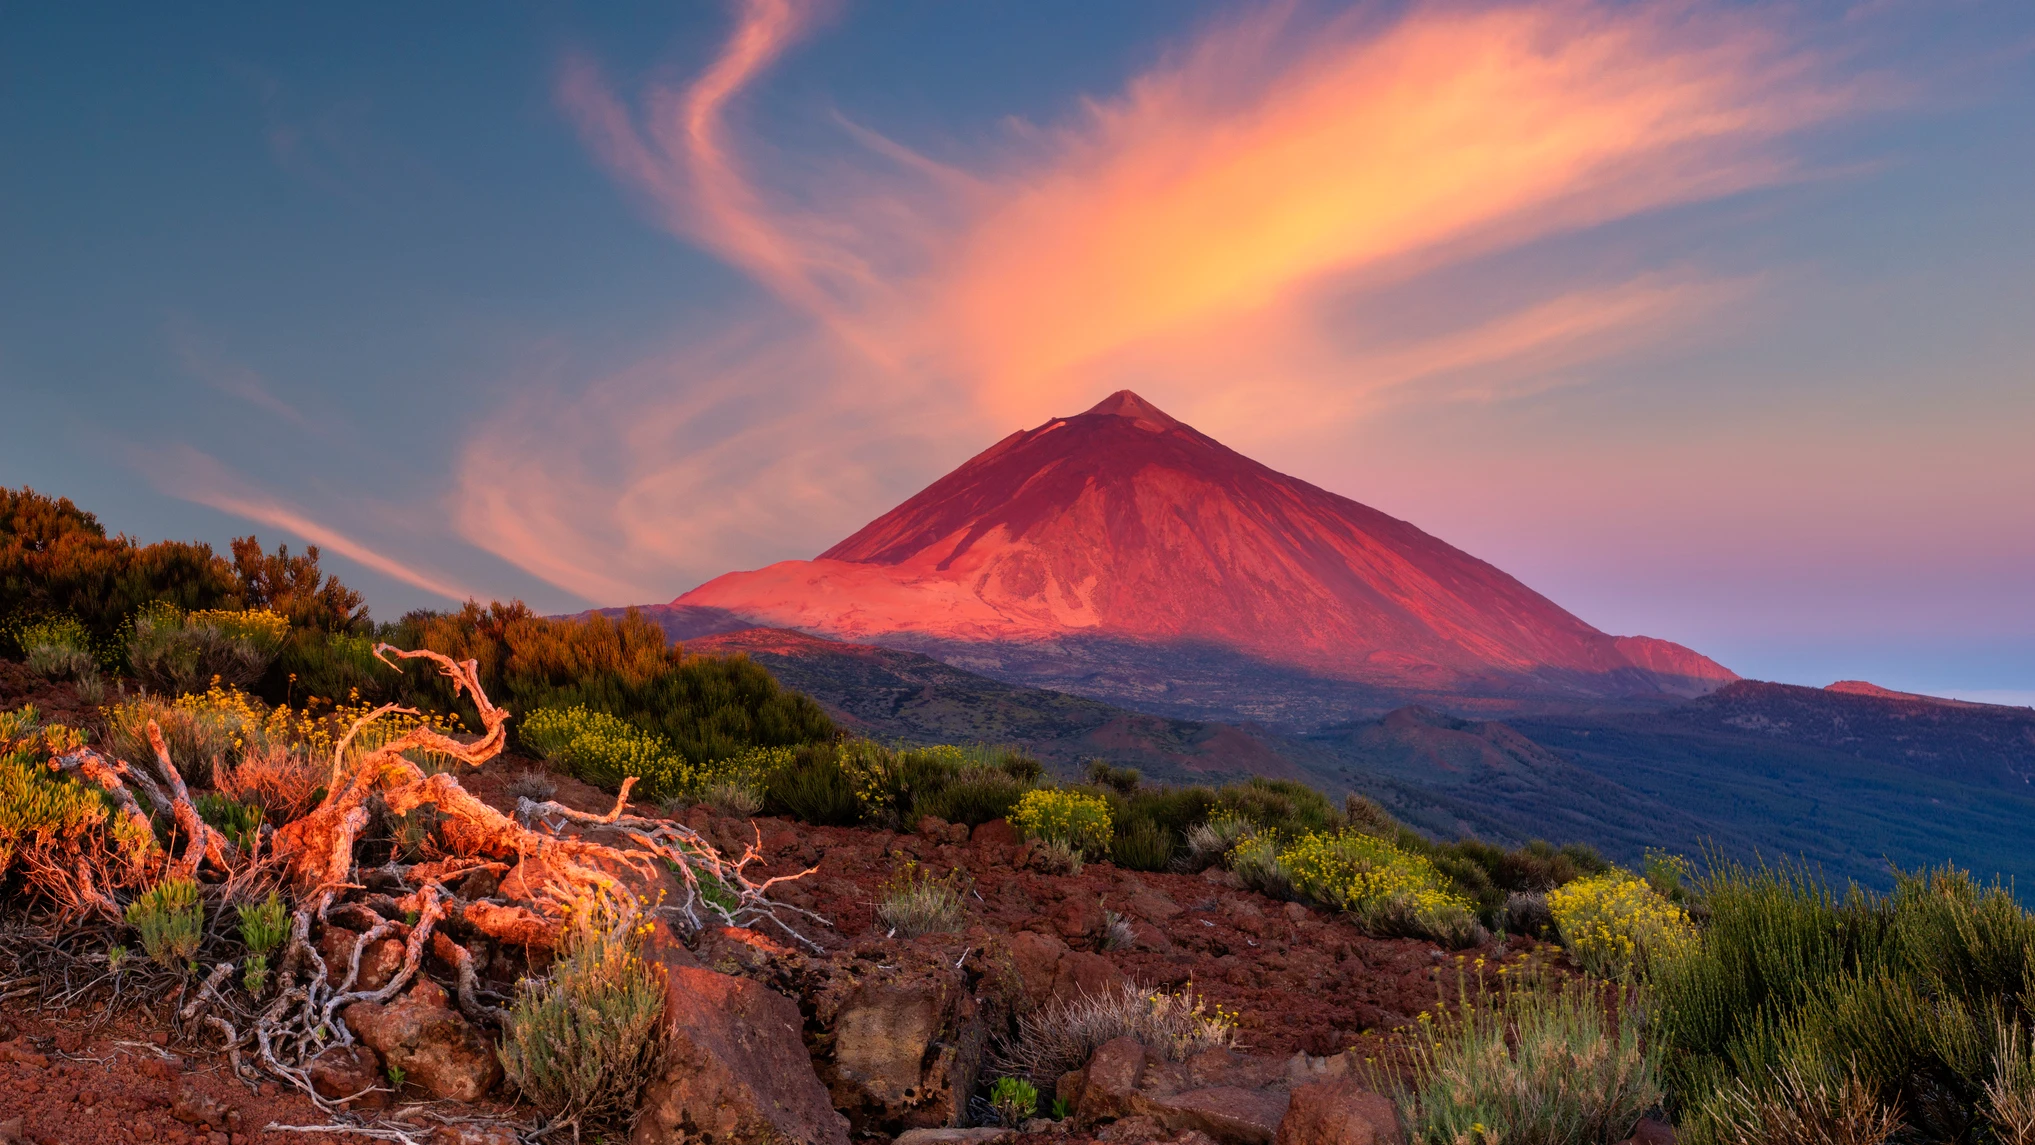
x,y
350,1072
1231,1114
739,950
898,1043
1110,1082
437,1049
515,925
1035,958
1651,1132
995,833
1079,973
737,1072
1339,1111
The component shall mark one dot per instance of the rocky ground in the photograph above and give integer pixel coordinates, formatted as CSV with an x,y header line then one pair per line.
x,y
860,1035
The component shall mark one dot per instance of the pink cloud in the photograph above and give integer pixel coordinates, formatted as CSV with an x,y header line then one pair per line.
x,y
1189,236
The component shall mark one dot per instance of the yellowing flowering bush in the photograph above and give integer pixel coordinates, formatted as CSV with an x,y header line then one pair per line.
x,y
1076,821
604,749
37,806
1616,925
1387,890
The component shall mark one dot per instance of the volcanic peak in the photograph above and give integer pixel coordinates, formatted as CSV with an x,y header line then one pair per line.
x,y
1123,522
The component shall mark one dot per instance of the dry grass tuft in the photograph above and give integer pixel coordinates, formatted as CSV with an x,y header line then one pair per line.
x,y
1062,1035
284,782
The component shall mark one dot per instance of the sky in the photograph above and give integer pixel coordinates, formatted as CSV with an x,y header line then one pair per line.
x,y
1710,321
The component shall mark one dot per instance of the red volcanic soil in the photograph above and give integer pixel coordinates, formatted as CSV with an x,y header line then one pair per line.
x,y
1124,522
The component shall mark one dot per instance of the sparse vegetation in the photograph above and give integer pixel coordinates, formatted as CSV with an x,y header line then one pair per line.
x,y
1531,1065
170,920
1062,1034
580,1043
1014,1099
913,902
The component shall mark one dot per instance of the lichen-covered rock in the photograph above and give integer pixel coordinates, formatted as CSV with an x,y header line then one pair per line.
x,y
896,1036
437,1049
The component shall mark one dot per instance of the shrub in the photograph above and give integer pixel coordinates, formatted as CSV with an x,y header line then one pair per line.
x,y
1531,1067
171,921
38,808
730,798
240,824
1284,808
265,924
59,648
1209,842
1076,821
1255,862
1793,1110
604,750
1064,1033
703,707
816,789
974,797
1116,932
912,902
172,651
581,1043
1014,1099
1789,984
1616,925
207,730
1142,845
2010,1094
284,781
1122,780
1387,891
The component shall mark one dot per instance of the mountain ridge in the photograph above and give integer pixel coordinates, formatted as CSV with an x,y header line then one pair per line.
x,y
1126,525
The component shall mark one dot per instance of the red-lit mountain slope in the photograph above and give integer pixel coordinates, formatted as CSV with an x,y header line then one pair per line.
x,y
1125,525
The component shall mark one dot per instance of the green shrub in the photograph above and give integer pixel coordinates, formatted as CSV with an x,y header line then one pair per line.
x,y
173,651
1530,1066
1210,842
241,824
604,750
580,1044
265,924
1615,924
59,648
975,796
1790,984
702,707
37,807
1142,845
1014,1099
815,788
1122,780
912,902
170,919
1388,891
1073,820
1284,808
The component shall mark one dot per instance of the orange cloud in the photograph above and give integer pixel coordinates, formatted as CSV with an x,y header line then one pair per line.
x,y
1194,237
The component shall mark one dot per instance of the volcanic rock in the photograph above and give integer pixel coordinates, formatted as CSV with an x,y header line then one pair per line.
x,y
437,1049
1339,1112
1124,524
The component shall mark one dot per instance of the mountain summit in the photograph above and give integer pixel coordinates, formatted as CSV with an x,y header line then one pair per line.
x,y
1124,524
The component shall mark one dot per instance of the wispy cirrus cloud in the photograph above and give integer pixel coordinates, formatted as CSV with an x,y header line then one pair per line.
x,y
198,477
1202,235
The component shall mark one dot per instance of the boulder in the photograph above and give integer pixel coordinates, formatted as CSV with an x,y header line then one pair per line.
x,y
736,1071
354,1072
1651,1132
1339,1111
1231,1114
739,950
984,1136
378,964
437,1049
1035,959
995,833
1079,973
1109,1087
897,1037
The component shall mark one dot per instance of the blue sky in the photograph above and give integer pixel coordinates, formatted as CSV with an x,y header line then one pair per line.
x,y
1711,321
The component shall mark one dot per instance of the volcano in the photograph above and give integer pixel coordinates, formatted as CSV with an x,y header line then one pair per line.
x,y
1124,528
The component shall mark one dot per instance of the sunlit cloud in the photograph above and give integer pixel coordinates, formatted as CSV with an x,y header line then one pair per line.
x,y
202,479
201,359
1203,236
